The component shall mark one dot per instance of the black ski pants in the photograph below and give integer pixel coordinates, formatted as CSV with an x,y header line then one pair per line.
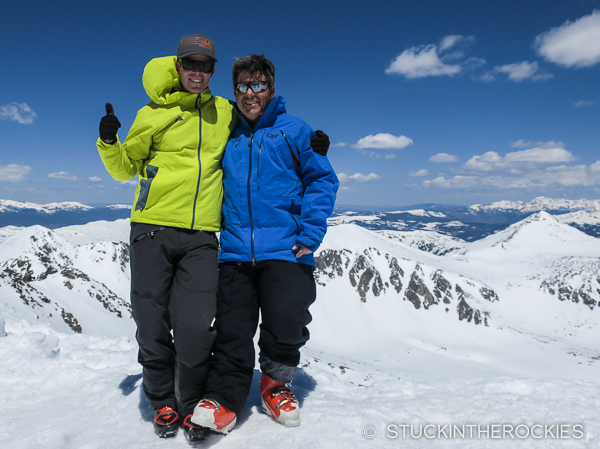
x,y
282,291
174,278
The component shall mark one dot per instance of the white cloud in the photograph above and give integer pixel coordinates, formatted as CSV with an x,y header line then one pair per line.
x,y
130,183
14,172
567,176
95,179
383,141
358,177
339,144
443,158
457,182
435,60
375,154
418,62
19,112
533,167
64,175
452,40
519,71
541,156
573,44
419,173
540,144
492,161
584,103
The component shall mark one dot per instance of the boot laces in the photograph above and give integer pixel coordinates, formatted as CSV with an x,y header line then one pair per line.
x,y
214,403
287,396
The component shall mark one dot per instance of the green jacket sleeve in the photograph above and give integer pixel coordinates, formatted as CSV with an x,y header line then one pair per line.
x,y
124,161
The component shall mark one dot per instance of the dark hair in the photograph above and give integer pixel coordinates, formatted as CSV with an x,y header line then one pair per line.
x,y
253,64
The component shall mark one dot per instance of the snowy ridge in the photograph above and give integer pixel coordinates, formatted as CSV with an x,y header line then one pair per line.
x,y
50,208
431,242
539,233
538,204
43,278
376,267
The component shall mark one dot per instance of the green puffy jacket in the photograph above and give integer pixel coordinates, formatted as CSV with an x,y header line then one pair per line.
x,y
175,144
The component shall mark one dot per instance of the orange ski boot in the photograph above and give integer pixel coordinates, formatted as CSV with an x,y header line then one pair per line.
x,y
166,422
279,402
209,413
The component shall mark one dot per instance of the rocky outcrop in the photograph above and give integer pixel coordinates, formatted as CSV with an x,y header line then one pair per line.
x,y
372,273
48,265
576,281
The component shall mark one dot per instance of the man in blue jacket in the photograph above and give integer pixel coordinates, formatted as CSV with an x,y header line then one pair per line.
x,y
278,195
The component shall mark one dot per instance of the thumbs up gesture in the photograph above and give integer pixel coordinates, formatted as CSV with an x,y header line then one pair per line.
x,y
109,125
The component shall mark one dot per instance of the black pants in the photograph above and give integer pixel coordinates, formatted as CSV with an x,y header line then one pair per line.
x,y
174,278
283,292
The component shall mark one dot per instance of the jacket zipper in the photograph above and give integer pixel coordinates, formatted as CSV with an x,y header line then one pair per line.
x,y
258,168
294,218
250,200
198,104
258,162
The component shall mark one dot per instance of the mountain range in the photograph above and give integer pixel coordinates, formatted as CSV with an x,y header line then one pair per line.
x,y
537,278
409,327
467,223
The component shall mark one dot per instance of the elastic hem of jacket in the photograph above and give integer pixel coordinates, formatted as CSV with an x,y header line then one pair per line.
x,y
176,225
307,259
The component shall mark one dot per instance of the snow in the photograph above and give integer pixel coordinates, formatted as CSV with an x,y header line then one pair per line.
x,y
350,219
15,206
86,394
424,213
540,203
379,362
103,231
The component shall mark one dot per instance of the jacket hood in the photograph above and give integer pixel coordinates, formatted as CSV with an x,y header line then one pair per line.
x,y
160,78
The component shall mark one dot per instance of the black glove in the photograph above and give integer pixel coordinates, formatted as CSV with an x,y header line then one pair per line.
x,y
320,143
109,125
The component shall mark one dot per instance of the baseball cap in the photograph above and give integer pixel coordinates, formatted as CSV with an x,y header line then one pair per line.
x,y
196,43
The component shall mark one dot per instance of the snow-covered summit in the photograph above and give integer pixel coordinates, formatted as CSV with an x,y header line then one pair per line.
x,y
542,234
50,208
540,203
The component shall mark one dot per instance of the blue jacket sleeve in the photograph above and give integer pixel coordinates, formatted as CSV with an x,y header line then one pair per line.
x,y
320,188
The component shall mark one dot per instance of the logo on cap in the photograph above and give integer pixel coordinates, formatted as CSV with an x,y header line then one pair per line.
x,y
206,44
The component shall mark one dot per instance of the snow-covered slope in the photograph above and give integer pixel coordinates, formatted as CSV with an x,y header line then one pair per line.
x,y
67,391
534,286
45,279
504,330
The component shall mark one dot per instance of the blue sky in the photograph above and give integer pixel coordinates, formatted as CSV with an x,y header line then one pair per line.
x,y
455,102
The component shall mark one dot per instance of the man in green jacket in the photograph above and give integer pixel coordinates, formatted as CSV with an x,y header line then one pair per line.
x,y
175,144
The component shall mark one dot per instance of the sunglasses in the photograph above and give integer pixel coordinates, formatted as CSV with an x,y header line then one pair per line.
x,y
256,86
191,64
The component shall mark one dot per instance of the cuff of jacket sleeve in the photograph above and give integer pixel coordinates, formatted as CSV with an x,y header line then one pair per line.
x,y
102,143
308,243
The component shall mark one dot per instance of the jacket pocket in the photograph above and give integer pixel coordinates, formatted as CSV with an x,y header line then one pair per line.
x,y
151,172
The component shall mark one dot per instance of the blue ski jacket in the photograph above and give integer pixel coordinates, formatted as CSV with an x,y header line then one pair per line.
x,y
277,191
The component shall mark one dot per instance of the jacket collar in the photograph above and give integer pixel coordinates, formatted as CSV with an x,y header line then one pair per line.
x,y
275,108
